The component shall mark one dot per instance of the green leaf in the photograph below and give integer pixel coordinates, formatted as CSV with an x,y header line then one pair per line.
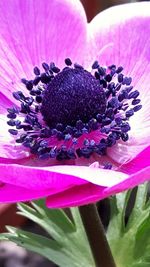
x,y
54,221
141,209
142,237
142,264
118,204
41,245
66,245
130,242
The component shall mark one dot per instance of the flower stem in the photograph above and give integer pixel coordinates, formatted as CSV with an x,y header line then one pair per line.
x,y
96,236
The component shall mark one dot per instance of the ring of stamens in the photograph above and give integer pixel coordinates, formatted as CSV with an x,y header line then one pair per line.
x,y
107,109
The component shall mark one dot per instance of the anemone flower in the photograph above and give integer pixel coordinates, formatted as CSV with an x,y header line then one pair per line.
x,y
74,101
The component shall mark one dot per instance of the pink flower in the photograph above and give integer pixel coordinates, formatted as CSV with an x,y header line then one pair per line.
x,y
35,32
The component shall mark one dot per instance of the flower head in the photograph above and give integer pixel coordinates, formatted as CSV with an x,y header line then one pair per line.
x,y
73,132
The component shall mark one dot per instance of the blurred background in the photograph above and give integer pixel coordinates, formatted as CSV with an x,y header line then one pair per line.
x,y
10,254
93,7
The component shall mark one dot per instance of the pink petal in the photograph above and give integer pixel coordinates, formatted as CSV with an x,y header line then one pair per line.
x,y
32,32
76,196
4,103
88,193
8,147
140,162
12,193
39,178
132,181
120,35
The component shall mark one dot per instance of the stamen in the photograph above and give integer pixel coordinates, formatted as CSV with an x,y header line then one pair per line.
x,y
107,166
68,61
13,132
36,71
68,110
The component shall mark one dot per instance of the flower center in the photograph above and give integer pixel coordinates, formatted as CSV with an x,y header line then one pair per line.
x,y
74,94
73,113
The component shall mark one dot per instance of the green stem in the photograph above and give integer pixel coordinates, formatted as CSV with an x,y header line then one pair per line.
x,y
96,236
